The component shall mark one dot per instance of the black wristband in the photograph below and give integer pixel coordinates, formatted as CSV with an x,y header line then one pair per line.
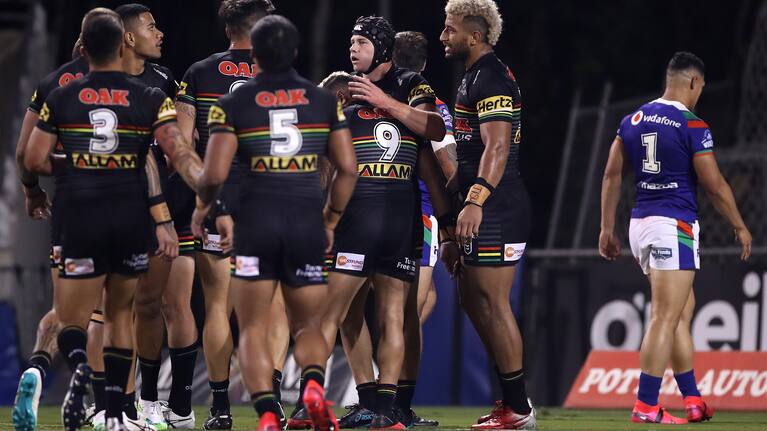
x,y
483,182
471,203
219,209
154,200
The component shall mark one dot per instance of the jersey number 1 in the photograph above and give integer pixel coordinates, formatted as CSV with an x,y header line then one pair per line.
x,y
105,138
651,165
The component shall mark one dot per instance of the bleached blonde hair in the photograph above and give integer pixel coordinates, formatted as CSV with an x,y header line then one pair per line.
x,y
485,9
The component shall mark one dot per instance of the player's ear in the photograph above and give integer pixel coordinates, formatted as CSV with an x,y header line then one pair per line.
x,y
129,39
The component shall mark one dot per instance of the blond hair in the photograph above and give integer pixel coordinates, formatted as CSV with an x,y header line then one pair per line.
x,y
485,9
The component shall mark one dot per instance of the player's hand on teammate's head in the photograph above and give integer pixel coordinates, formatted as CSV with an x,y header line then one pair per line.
x,y
167,241
609,246
743,236
37,204
364,89
225,228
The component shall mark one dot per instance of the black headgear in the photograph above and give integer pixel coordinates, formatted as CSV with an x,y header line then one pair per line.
x,y
378,30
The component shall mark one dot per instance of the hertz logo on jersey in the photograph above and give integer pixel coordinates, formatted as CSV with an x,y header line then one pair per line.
x,y
99,161
387,171
496,103
292,164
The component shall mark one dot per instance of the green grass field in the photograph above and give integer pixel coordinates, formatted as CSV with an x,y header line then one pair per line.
x,y
461,417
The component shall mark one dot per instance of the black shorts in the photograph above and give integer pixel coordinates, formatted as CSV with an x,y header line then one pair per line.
x,y
180,199
506,219
230,195
376,236
280,239
55,254
99,237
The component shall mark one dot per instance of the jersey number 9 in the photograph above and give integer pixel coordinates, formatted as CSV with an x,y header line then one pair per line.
x,y
388,138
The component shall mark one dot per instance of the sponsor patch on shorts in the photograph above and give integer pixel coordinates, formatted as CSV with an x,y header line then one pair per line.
x,y
247,266
513,252
137,262
661,253
350,261
214,243
81,266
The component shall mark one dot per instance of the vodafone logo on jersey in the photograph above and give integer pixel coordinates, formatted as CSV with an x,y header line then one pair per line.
x,y
636,118
726,380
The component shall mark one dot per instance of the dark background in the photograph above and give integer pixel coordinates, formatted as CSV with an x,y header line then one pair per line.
x,y
553,47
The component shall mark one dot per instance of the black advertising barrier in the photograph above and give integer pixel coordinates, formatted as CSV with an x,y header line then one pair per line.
x,y
572,307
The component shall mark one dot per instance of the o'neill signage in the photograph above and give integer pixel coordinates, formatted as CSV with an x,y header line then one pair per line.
x,y
727,380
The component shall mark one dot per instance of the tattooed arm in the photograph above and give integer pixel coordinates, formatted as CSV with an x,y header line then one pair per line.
x,y
182,155
167,239
186,114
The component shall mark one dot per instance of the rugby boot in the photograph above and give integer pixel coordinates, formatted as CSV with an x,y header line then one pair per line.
x,y
644,413
322,416
697,409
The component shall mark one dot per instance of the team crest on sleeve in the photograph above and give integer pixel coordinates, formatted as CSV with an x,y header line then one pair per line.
x,y
182,89
45,112
636,118
708,140
167,109
340,111
216,115
34,96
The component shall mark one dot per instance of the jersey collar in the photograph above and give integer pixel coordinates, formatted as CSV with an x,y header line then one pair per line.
x,y
673,103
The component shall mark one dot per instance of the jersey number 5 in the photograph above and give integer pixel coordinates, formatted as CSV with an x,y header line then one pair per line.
x,y
388,138
651,165
286,138
105,138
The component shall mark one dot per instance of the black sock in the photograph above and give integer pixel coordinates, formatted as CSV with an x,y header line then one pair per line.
x,y
405,392
315,373
265,402
129,405
182,363
117,363
98,381
42,361
385,398
367,395
513,388
73,341
150,374
277,384
301,387
220,391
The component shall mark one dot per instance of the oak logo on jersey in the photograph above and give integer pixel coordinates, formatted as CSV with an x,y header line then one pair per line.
x,y
299,163
280,98
389,171
105,161
373,113
418,91
66,78
104,96
495,104
229,68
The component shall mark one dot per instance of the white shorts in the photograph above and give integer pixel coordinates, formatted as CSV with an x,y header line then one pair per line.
x,y
664,243
430,241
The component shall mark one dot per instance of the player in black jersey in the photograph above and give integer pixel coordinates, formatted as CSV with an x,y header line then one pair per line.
x,y
104,122
201,86
384,202
494,223
278,125
39,207
142,43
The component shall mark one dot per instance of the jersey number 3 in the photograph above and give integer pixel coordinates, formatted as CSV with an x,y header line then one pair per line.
x,y
105,138
651,165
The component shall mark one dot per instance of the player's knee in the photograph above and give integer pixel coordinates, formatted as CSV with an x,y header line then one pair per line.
x,y
147,306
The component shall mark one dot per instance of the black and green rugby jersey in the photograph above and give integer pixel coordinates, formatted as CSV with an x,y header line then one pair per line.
x,y
282,123
105,122
488,92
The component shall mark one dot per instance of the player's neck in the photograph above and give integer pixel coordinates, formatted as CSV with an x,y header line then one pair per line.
x,y
379,72
476,54
675,95
113,66
133,64
240,44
